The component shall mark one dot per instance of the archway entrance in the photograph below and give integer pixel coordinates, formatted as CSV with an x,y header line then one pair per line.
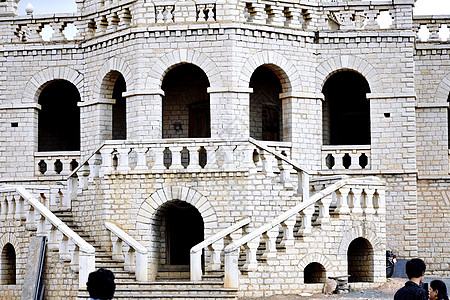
x,y
360,261
184,229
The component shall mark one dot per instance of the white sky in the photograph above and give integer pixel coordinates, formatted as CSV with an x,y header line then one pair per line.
x,y
423,7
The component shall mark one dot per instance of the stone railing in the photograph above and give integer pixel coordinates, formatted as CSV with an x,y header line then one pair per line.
x,y
127,249
346,196
215,244
53,197
17,203
432,28
348,157
56,163
189,156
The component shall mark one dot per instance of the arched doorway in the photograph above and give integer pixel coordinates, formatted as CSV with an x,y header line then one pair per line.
x,y
346,110
177,227
59,117
265,105
119,111
314,273
8,265
360,261
186,105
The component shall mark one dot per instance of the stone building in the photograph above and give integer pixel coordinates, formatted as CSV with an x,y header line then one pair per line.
x,y
218,149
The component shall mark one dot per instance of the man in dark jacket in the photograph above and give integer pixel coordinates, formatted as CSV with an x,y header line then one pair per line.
x,y
415,269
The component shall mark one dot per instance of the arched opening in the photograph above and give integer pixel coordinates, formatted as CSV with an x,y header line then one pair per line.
x,y
360,261
186,106
59,117
346,110
265,106
119,112
8,264
314,273
177,227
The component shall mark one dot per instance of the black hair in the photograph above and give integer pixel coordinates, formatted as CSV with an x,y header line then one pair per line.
x,y
439,285
415,268
101,284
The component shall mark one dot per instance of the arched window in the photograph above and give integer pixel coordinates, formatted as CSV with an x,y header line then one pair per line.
x,y
360,261
314,273
346,110
186,109
265,106
119,111
59,117
8,265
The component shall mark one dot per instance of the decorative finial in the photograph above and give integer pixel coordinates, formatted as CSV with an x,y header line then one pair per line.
x,y
29,9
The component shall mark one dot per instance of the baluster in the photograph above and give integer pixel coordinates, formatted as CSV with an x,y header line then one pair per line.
x,y
251,249
201,13
176,158
324,209
267,162
285,173
303,185
94,166
83,174
52,243
57,35
30,223
169,16
228,158
17,208
117,248
129,263
23,213
371,16
270,238
10,212
158,154
35,32
159,14
193,158
75,258
306,215
107,164
215,249
124,18
368,203
347,20
141,159
288,231
381,202
210,7
356,201
64,253
342,201
247,158
124,164
211,158
40,224
3,209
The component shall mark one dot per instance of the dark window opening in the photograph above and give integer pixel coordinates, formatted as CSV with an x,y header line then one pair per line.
x,y
186,105
59,117
265,105
346,110
119,115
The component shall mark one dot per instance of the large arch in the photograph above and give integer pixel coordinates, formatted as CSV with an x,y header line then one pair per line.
x,y
280,65
39,81
113,64
8,268
359,230
181,56
348,63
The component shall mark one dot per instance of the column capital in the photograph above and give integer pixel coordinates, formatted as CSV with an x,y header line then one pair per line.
x,y
227,89
302,95
143,92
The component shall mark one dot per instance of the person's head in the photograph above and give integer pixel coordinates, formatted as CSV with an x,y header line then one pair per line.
x,y
437,290
415,268
101,284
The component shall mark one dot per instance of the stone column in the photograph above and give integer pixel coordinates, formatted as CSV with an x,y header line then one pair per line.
x,y
230,112
302,125
144,114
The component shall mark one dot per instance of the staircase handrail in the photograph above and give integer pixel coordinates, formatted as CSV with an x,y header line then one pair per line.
x,y
87,256
231,272
86,160
196,251
295,165
142,252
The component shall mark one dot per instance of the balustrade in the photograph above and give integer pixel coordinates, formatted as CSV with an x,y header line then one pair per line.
x,y
432,28
17,203
364,197
56,163
128,250
346,157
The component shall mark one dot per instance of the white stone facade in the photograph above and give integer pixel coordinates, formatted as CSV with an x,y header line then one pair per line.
x,y
199,80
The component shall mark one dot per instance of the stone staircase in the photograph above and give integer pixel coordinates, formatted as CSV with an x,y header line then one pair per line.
x,y
172,282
